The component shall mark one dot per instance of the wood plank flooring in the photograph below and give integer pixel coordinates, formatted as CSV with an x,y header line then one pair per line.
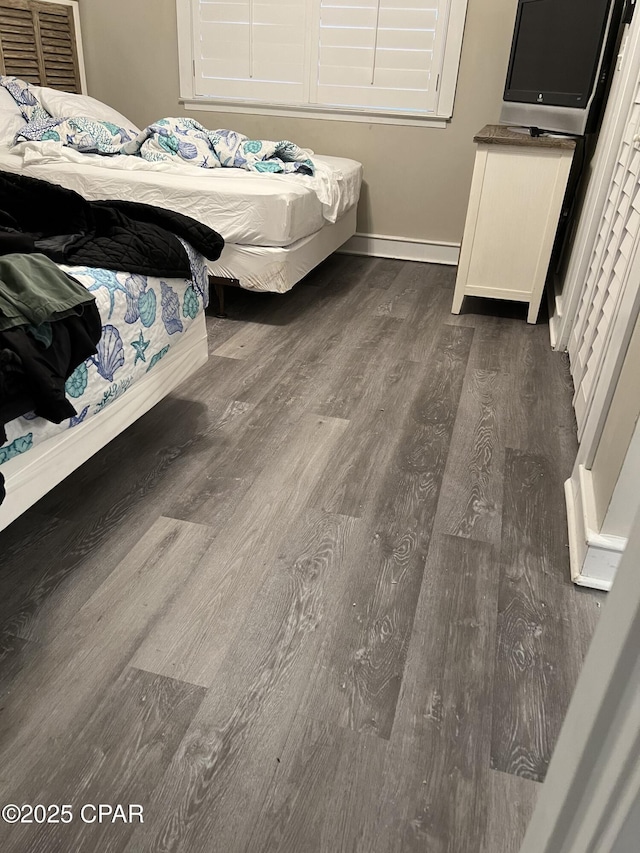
x,y
318,600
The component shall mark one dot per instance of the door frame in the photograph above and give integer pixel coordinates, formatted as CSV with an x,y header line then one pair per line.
x,y
593,782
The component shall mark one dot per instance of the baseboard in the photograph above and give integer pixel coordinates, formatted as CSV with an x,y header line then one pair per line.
x,y
553,330
554,303
381,246
594,556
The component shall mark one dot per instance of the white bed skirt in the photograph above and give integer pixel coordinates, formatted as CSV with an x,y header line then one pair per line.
x,y
31,475
277,269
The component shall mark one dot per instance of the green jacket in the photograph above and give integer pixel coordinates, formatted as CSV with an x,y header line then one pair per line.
x,y
33,290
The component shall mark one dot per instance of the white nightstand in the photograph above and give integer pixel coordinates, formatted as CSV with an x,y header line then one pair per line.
x,y
518,185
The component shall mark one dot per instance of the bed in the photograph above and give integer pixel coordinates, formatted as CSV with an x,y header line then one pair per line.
x,y
276,227
146,354
102,315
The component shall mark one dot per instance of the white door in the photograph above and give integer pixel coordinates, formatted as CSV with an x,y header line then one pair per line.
x,y
608,286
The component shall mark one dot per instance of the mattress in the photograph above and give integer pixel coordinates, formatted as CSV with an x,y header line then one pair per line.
x,y
143,317
244,207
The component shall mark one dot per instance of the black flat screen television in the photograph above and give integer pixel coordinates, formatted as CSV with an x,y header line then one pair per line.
x,y
561,56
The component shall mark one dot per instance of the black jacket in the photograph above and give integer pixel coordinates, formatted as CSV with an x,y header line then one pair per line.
x,y
115,235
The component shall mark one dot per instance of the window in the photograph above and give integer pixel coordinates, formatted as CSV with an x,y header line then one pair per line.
x,y
386,58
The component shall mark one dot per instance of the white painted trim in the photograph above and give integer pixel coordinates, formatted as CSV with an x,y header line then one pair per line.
x,y
451,58
602,168
497,293
593,537
594,557
554,308
593,783
206,105
402,248
553,330
185,48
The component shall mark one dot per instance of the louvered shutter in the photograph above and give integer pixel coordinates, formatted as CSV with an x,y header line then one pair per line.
x,y
380,54
608,276
369,55
247,49
38,43
57,39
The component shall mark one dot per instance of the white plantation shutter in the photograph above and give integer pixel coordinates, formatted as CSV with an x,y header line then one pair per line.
x,y
608,281
247,49
371,56
378,54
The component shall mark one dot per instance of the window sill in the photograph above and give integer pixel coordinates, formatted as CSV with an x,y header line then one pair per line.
x,y
197,104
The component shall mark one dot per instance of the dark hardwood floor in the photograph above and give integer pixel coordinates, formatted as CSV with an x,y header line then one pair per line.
x,y
316,601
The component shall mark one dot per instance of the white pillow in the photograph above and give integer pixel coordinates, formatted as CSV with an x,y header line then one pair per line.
x,y
68,105
11,119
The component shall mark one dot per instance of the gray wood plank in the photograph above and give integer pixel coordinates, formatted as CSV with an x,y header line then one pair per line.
x,y
379,416
433,793
27,547
119,756
224,768
544,621
510,804
348,375
13,652
324,792
65,571
131,469
540,378
344,298
400,299
414,284
191,638
219,485
429,313
382,273
58,689
116,499
328,270
470,502
357,680
329,383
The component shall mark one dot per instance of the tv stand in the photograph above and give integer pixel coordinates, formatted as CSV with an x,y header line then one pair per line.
x,y
517,190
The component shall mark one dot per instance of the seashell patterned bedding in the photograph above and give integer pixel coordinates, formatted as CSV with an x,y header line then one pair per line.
x,y
142,318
